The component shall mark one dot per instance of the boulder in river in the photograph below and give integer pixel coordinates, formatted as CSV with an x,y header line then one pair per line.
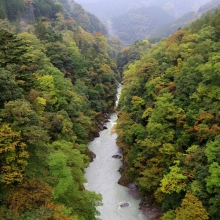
x,y
124,205
116,156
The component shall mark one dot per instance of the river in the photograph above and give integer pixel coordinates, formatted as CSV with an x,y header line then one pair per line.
x,y
102,176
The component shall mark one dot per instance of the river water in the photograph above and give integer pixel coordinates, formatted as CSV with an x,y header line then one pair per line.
x,y
102,176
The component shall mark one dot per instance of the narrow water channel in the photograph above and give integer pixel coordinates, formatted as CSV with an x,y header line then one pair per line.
x,y
102,176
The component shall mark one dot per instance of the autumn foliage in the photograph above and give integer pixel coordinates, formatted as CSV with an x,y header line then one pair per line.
x,y
168,124
58,80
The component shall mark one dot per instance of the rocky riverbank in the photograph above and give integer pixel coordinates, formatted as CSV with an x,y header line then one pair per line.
x,y
102,176
151,212
100,126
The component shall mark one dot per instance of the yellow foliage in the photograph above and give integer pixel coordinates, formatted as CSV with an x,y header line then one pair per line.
x,y
174,181
55,212
191,209
13,155
113,130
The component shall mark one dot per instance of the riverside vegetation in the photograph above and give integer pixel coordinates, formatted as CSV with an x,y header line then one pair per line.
x,y
169,117
58,80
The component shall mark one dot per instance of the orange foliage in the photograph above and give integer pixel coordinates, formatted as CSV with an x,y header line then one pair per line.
x,y
53,211
176,37
204,126
28,2
172,87
98,34
215,129
70,21
159,87
181,120
204,132
32,95
206,116
190,174
31,194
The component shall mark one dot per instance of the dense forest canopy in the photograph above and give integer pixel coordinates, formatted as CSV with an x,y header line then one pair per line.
x,y
58,81
169,125
59,72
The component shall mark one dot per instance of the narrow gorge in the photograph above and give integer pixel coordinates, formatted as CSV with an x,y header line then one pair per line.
x,y
119,202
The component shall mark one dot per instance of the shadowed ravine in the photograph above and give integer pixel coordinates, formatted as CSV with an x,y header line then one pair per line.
x,y
103,175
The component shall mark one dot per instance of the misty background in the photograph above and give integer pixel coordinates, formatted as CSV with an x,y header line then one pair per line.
x,y
106,9
132,20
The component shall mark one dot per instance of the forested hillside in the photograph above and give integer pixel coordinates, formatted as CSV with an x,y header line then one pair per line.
x,y
167,30
57,83
136,24
169,124
28,11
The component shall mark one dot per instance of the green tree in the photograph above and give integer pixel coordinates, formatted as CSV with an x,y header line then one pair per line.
x,y
13,8
3,14
8,53
9,89
19,114
174,181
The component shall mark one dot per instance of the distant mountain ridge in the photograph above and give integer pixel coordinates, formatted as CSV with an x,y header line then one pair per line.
x,y
132,20
208,6
170,28
137,23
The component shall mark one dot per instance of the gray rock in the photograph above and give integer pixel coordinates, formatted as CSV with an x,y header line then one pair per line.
x,y
124,205
116,156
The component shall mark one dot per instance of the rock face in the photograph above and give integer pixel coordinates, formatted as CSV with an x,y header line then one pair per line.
x,y
91,155
149,210
96,134
116,156
133,186
121,168
124,181
100,126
